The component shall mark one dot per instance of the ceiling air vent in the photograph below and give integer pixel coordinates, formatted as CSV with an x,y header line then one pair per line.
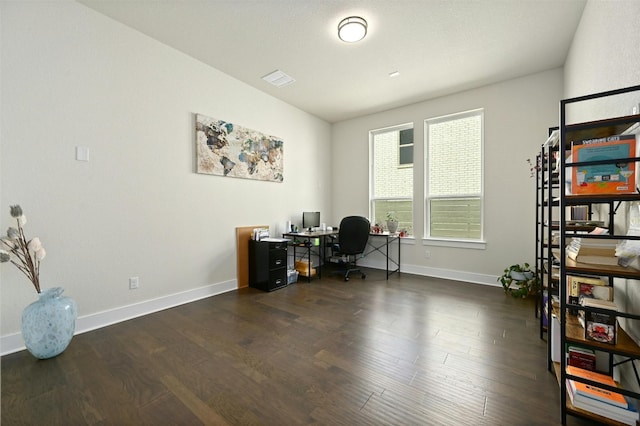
x,y
278,78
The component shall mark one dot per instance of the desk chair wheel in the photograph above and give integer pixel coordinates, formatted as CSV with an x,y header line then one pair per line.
x,y
363,276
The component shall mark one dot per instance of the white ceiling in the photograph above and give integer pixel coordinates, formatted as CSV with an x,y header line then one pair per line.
x,y
438,46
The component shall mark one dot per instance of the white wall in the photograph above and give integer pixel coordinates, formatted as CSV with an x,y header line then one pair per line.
x,y
72,77
517,116
605,55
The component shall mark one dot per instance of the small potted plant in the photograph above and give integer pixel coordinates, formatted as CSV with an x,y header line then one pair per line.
x,y
392,222
522,277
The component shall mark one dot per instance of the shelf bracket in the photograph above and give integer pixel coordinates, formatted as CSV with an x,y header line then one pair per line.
x,y
617,205
633,365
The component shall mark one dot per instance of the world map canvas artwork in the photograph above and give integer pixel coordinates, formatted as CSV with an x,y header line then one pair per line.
x,y
226,149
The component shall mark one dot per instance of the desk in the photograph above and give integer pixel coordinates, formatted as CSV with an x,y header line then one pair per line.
x,y
379,246
306,238
388,240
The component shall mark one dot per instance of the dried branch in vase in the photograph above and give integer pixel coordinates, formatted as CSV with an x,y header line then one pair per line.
x,y
25,255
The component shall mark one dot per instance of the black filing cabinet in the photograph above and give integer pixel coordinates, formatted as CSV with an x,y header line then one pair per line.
x,y
267,264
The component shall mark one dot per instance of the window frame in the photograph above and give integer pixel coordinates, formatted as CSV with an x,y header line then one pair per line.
x,y
472,243
402,147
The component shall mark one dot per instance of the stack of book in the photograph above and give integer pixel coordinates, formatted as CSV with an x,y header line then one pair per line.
x,y
581,287
579,212
600,401
554,268
260,233
593,251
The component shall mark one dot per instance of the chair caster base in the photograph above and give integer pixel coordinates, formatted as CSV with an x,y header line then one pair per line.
x,y
362,275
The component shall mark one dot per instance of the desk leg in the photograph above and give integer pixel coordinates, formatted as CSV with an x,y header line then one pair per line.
x,y
388,243
399,255
320,259
387,248
322,255
309,260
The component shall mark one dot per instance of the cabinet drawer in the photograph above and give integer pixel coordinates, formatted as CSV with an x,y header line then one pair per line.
x,y
277,259
278,245
277,278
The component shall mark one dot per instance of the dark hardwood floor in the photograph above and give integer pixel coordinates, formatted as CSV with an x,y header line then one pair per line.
x,y
408,351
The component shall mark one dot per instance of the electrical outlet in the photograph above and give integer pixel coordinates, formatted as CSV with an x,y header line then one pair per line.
x,y
636,109
134,283
427,254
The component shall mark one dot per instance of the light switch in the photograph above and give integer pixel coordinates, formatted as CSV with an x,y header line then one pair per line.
x,y
82,153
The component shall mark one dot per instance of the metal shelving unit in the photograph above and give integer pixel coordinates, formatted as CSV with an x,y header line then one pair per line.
x,y
626,350
548,187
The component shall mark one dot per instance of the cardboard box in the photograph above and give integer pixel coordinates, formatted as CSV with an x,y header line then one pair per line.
x,y
303,268
611,178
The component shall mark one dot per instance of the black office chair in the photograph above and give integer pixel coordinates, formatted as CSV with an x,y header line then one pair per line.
x,y
352,240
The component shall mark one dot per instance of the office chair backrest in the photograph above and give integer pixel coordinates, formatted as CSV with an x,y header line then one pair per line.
x,y
353,234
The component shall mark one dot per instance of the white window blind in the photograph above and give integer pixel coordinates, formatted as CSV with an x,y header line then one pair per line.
x,y
454,183
391,178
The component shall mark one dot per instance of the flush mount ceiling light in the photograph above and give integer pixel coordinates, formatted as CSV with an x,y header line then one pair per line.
x,y
352,29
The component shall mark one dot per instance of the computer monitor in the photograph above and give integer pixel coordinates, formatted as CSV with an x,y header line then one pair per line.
x,y
310,220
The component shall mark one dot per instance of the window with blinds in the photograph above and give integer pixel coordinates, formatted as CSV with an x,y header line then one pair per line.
x,y
391,175
454,176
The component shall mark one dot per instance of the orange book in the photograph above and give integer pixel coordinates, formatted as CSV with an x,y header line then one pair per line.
x,y
594,392
611,178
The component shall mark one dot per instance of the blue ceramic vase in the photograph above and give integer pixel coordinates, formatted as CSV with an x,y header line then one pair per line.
x,y
48,324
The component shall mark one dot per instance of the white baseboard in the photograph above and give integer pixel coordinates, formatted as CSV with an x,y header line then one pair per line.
x,y
13,342
449,274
